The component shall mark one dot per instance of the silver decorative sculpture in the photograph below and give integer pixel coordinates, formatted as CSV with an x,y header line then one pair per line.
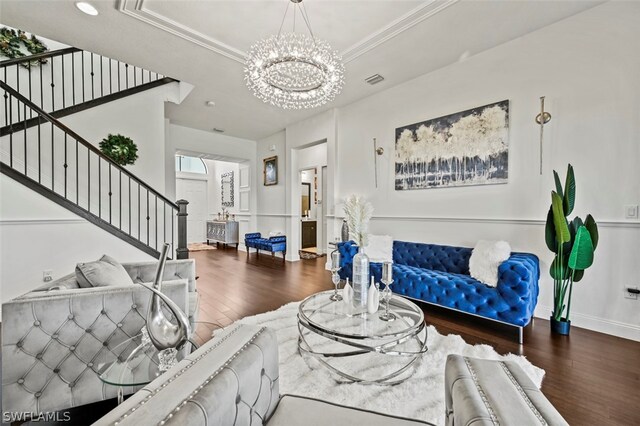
x,y
162,332
387,280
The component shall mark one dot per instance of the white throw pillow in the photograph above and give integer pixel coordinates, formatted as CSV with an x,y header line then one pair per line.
x,y
379,248
485,260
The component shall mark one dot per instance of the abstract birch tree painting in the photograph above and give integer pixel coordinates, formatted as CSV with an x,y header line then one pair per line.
x,y
466,148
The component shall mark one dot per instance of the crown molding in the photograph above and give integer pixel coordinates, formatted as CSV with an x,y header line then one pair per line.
x,y
137,10
396,27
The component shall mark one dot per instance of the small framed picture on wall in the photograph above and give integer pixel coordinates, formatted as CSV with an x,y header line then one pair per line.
x,y
270,171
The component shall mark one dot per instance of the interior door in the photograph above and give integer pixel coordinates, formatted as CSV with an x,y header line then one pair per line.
x,y
195,192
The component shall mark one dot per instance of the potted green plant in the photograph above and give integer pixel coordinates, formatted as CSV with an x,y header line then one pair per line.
x,y
573,243
120,149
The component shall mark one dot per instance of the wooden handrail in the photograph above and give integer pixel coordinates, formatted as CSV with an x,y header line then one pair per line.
x,y
37,56
83,142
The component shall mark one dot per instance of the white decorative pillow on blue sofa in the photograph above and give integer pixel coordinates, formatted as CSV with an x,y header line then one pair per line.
x,y
486,258
379,248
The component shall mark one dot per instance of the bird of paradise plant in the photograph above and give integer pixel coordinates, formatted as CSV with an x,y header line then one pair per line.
x,y
573,243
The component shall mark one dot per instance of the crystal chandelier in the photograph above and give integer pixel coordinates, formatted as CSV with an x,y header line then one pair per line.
x,y
294,70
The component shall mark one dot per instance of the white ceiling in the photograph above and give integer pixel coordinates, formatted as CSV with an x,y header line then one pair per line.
x,y
203,43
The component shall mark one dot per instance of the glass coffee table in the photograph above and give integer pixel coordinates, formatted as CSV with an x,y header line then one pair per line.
x,y
362,348
137,362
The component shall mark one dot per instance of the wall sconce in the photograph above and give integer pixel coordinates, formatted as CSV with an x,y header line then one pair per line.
x,y
377,150
542,119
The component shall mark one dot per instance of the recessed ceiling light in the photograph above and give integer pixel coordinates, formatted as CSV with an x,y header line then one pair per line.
x,y
210,103
87,8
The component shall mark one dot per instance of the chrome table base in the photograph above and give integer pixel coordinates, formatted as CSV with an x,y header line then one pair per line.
x,y
331,346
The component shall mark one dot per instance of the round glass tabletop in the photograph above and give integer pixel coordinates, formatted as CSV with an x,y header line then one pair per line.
x,y
136,362
334,318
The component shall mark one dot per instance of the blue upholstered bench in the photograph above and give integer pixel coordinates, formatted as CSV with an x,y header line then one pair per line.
x,y
440,275
272,244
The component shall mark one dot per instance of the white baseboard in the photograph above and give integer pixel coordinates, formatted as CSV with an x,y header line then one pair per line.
x,y
602,325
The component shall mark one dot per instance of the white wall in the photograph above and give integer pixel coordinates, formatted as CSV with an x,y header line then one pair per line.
x,y
584,67
271,211
226,149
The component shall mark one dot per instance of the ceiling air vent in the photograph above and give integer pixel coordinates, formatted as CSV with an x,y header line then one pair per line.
x,y
374,79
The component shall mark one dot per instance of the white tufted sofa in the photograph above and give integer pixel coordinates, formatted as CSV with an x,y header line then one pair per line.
x,y
55,338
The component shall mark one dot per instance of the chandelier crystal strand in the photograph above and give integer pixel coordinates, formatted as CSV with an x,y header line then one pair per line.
x,y
294,70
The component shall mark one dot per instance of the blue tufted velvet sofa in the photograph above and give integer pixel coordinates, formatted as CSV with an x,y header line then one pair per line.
x,y
440,275
272,244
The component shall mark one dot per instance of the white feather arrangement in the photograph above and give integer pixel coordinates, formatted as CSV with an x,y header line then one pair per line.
x,y
358,212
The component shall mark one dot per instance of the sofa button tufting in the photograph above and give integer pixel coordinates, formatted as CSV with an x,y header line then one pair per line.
x,y
70,316
38,394
36,323
56,370
72,348
72,384
54,336
19,344
39,356
238,399
134,306
103,312
90,365
105,343
20,381
88,330
119,325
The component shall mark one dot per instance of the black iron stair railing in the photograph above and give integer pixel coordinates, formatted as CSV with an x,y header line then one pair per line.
x,y
70,80
56,162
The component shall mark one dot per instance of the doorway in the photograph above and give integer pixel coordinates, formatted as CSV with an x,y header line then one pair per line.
x,y
195,191
218,189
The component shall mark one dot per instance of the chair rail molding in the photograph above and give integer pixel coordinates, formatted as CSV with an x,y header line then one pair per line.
x,y
52,221
504,221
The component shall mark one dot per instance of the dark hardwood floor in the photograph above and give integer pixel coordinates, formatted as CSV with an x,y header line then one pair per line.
x,y
591,378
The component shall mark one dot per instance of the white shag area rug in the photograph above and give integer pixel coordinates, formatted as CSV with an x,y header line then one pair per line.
x,y
421,396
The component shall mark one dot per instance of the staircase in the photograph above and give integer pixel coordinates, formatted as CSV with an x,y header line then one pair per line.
x,y
42,153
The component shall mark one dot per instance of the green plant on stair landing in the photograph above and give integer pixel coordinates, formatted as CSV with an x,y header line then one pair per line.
x,y
120,149
573,243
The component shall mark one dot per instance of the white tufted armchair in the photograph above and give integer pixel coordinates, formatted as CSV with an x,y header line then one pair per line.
x,y
55,338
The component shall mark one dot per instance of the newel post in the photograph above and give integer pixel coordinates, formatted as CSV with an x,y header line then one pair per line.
x,y
182,252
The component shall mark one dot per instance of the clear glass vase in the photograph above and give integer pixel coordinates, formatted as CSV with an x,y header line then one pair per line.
x,y
360,281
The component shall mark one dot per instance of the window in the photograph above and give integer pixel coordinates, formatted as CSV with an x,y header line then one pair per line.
x,y
190,164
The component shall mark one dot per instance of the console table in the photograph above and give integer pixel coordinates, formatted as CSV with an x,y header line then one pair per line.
x,y
225,232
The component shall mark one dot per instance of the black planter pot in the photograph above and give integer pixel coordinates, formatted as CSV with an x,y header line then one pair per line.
x,y
560,327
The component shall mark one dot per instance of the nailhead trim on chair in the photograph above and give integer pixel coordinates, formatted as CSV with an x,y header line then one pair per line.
x,y
523,394
191,363
485,400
